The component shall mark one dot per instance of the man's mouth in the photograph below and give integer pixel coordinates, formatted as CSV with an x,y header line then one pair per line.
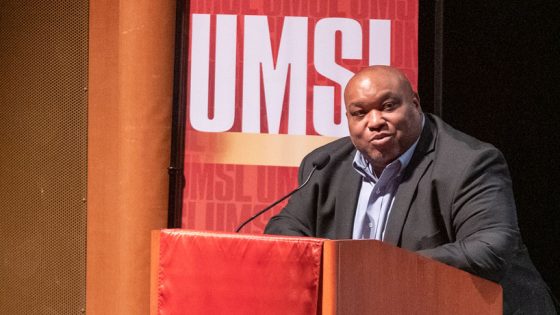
x,y
380,139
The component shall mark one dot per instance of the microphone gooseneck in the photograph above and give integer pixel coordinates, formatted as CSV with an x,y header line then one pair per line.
x,y
318,164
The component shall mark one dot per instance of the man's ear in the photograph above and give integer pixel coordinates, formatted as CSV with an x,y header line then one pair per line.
x,y
416,101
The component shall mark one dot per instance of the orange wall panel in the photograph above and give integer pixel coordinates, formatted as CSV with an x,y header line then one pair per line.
x,y
131,47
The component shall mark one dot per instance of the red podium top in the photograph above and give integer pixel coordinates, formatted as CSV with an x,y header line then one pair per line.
x,y
219,273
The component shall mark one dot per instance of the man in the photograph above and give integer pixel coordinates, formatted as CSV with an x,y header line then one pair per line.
x,y
411,180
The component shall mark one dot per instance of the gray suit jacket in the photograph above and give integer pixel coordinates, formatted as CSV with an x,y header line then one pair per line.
x,y
455,204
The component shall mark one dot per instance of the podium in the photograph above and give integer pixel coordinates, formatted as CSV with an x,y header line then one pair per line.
x,y
195,272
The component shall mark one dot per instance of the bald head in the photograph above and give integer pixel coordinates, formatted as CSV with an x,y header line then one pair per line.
x,y
384,114
383,73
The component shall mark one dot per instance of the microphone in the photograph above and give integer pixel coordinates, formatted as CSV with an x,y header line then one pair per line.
x,y
320,162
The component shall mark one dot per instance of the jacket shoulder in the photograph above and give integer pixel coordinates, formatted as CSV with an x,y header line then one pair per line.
x,y
451,137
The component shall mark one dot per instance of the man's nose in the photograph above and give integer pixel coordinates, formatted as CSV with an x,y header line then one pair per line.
x,y
375,120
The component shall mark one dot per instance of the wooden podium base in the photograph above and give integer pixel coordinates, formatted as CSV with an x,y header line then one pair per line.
x,y
196,272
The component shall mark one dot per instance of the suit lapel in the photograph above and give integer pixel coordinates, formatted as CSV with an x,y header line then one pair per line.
x,y
347,199
407,188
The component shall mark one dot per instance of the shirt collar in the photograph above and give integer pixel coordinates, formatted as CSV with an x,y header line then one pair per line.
x,y
363,167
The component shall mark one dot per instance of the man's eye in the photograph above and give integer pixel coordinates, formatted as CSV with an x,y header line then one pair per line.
x,y
358,113
389,106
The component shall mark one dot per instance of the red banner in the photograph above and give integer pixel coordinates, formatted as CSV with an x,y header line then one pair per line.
x,y
264,88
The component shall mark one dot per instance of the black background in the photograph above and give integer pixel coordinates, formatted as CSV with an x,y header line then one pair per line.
x,y
499,66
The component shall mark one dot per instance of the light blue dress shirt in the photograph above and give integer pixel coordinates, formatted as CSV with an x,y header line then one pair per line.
x,y
377,194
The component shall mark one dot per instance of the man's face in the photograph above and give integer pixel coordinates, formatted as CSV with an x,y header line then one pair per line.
x,y
384,115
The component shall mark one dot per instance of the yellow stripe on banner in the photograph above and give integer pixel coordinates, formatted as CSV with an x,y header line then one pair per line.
x,y
251,149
